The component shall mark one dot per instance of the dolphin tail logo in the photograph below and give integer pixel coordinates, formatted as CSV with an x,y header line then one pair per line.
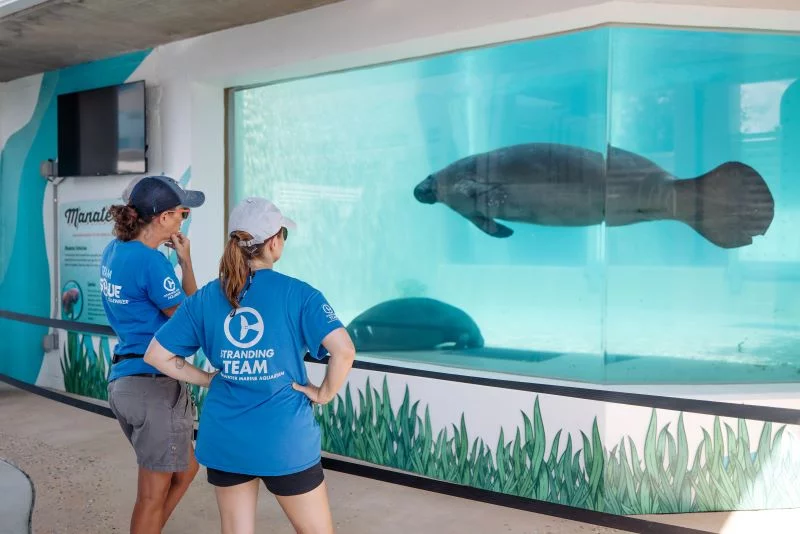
x,y
245,328
728,205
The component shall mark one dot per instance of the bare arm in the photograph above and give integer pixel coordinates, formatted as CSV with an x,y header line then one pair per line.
x,y
188,282
343,354
175,366
180,243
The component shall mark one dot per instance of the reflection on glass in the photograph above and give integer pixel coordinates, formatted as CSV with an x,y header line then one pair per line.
x,y
484,209
131,128
709,297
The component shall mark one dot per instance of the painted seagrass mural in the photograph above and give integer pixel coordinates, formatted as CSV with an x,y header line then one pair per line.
x,y
86,361
662,476
651,471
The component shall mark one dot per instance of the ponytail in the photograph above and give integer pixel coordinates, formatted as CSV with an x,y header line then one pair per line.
x,y
234,268
127,222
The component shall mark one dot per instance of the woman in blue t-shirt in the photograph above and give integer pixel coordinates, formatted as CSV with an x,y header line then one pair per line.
x,y
140,291
255,326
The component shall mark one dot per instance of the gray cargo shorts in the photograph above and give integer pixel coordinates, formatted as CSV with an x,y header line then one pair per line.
x,y
157,416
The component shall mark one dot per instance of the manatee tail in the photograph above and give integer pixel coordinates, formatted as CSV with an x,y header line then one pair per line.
x,y
729,205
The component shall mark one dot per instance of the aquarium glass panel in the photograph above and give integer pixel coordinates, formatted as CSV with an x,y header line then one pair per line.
x,y
418,267
614,205
703,207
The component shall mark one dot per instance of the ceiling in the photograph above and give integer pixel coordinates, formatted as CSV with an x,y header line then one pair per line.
x,y
38,36
42,35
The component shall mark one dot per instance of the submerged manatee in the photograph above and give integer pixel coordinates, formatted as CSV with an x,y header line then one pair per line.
x,y
562,185
413,324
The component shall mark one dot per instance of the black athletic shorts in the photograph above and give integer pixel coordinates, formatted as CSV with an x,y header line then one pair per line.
x,y
284,485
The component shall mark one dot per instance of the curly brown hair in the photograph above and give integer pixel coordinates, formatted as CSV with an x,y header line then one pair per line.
x,y
127,222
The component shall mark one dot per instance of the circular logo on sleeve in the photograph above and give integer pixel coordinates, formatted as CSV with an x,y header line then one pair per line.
x,y
169,284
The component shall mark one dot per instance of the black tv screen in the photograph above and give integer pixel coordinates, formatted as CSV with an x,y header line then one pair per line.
x,y
103,131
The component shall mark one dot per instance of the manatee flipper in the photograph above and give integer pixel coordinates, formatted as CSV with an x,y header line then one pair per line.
x,y
489,226
728,205
480,194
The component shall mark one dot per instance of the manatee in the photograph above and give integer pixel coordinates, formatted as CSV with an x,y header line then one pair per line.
x,y
416,323
561,185
69,298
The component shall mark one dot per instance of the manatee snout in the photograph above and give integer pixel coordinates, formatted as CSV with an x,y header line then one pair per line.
x,y
425,191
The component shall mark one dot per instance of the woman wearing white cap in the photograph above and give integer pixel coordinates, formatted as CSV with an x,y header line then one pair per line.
x,y
255,325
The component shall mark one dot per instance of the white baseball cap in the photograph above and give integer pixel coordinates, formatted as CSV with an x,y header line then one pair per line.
x,y
258,217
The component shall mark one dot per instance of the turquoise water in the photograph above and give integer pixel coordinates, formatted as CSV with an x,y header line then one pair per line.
x,y
570,293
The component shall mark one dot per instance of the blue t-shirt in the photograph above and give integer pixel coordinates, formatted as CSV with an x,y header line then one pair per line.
x,y
136,283
253,421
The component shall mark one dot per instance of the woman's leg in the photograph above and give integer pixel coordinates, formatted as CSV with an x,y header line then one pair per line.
x,y
309,513
237,507
156,417
180,483
148,512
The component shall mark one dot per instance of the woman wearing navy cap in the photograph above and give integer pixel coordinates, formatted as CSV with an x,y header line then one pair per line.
x,y
140,292
255,326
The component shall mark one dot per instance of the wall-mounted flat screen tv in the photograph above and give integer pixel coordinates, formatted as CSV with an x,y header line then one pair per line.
x,y
103,131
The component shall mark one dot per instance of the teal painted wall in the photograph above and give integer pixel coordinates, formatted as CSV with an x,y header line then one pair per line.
x,y
26,286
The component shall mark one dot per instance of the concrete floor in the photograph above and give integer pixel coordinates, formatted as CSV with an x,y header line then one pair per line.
x,y
84,475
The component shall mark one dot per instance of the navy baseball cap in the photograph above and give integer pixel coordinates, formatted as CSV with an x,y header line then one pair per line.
x,y
155,194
